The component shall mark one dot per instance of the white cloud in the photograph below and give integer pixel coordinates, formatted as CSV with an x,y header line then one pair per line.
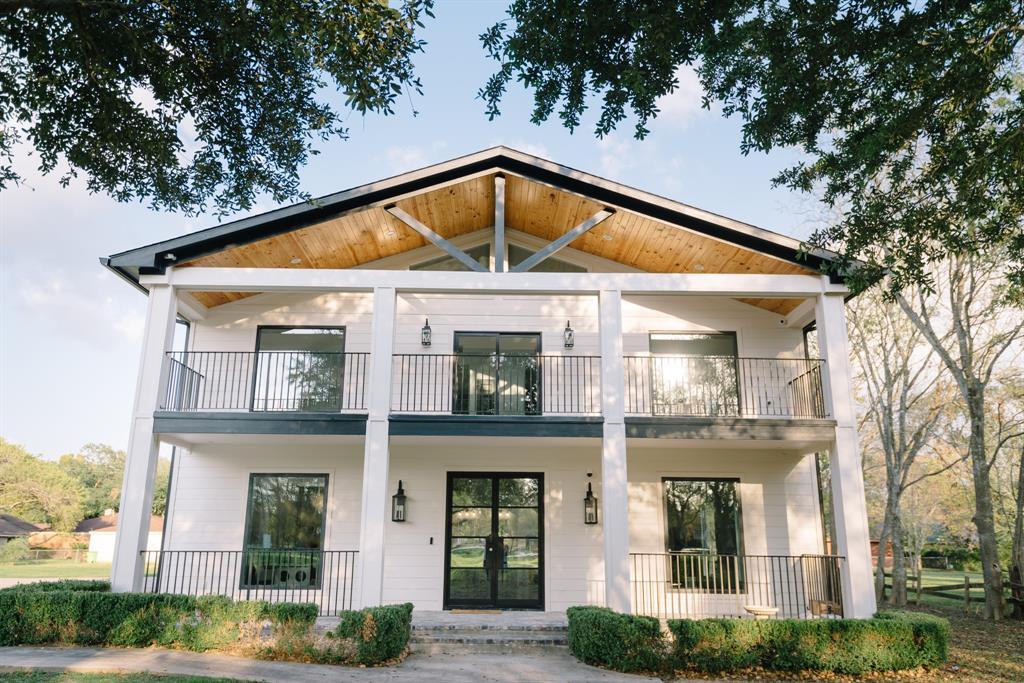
x,y
683,106
402,158
618,155
79,310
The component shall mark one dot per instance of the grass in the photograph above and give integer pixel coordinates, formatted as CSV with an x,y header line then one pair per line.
x,y
55,569
41,677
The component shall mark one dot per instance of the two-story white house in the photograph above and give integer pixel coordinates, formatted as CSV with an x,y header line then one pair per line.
x,y
496,382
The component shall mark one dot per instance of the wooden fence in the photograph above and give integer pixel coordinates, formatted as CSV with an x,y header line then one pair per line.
x,y
960,591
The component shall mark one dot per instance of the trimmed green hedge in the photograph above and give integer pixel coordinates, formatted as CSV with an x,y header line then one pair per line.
x,y
90,617
33,615
888,642
378,633
623,642
61,585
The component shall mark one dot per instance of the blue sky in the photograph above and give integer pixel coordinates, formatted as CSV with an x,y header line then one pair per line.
x,y
70,331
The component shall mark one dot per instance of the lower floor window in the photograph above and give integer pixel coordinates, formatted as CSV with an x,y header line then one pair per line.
x,y
704,537
284,531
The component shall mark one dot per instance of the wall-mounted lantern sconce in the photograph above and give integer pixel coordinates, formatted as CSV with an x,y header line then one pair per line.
x,y
398,504
569,336
425,333
590,506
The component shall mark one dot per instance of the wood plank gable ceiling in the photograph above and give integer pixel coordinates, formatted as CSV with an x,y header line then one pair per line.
x,y
363,236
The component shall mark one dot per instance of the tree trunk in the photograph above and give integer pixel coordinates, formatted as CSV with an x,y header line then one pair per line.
x,y
984,519
898,597
1017,550
883,541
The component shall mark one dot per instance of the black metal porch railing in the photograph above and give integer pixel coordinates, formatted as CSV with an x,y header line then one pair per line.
x,y
683,585
296,381
724,386
323,577
496,384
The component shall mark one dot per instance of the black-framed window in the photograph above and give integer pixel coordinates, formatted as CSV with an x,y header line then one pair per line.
x,y
704,532
694,373
284,530
481,254
497,373
299,368
517,255
693,343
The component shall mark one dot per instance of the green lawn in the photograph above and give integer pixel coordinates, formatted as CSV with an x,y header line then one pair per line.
x,y
55,569
40,677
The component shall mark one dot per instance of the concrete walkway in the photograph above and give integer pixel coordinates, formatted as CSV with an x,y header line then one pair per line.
x,y
547,668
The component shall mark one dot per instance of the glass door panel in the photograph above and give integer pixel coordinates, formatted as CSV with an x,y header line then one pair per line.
x,y
470,522
518,521
476,374
519,372
495,541
496,374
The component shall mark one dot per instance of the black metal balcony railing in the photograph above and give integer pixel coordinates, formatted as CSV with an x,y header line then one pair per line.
x,y
684,585
266,381
496,384
724,386
323,577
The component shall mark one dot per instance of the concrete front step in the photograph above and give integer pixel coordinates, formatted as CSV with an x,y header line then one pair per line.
x,y
436,632
486,642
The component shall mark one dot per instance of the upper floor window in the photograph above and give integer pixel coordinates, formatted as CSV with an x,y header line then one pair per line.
x,y
299,368
694,373
517,255
481,254
693,343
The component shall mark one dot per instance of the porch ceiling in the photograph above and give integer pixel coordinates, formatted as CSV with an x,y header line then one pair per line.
x,y
366,235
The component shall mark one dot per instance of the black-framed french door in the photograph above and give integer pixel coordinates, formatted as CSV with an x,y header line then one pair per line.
x,y
494,540
497,373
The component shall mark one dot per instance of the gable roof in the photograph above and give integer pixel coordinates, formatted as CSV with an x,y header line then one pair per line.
x,y
456,197
12,527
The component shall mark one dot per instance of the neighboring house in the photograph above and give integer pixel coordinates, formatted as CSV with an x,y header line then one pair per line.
x,y
12,527
496,382
102,532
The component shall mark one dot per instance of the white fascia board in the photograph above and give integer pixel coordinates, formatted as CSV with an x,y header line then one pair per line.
x,y
303,279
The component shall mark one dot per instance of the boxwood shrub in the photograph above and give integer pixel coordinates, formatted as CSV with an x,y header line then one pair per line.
x,y
623,642
378,633
91,617
888,642
92,585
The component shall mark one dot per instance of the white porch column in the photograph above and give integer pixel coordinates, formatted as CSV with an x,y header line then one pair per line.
x,y
375,513
143,446
614,481
849,508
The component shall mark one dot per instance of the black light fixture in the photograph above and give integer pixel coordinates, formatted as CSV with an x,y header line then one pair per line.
x,y
398,504
590,506
569,336
425,333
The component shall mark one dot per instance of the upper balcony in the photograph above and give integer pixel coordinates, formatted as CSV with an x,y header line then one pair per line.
x,y
480,388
